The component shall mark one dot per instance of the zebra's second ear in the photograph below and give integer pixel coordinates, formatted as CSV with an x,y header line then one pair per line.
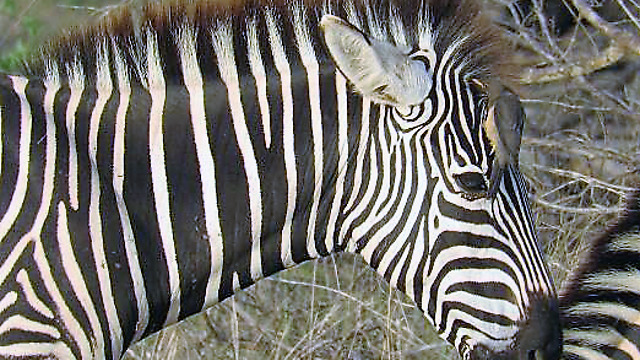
x,y
377,69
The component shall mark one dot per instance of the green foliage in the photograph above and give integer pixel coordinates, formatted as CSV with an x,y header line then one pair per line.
x,y
21,35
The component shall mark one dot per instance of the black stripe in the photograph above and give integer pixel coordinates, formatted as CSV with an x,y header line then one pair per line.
x,y
138,192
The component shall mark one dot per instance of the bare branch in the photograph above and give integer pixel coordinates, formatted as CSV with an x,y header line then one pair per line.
x,y
624,39
581,67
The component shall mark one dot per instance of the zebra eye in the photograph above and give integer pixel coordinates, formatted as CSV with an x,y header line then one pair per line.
x,y
471,182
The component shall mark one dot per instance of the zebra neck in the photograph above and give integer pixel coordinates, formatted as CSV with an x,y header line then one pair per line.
x,y
171,200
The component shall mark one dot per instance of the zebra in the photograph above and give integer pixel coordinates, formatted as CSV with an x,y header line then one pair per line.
x,y
153,167
600,304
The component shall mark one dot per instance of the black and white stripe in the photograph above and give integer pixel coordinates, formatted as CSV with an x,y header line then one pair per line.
x,y
154,174
600,305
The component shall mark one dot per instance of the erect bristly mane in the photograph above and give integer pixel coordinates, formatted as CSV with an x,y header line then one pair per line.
x,y
122,34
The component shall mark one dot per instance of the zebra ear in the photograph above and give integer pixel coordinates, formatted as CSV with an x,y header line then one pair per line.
x,y
377,69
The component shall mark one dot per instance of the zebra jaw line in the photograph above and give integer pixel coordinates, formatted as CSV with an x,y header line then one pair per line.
x,y
172,165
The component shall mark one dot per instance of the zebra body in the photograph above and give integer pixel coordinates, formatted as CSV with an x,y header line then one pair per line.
x,y
151,172
600,305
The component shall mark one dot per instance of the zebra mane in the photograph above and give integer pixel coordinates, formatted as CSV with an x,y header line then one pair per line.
x,y
615,248
123,36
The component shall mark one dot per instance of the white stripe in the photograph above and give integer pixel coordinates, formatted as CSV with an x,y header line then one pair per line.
x,y
464,122
417,255
501,335
531,235
76,88
77,281
8,300
56,350
524,276
369,187
505,221
157,90
620,280
387,151
530,251
17,198
131,250
458,276
74,330
625,242
260,77
484,304
195,87
312,68
361,205
235,281
395,274
52,85
19,322
343,157
1,109
9,261
288,136
479,338
104,89
362,146
584,352
413,165
603,337
620,312
31,296
223,46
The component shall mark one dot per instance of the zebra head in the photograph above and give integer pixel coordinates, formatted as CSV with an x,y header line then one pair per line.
x,y
459,239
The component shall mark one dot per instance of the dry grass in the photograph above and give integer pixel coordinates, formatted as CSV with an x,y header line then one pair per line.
x,y
581,153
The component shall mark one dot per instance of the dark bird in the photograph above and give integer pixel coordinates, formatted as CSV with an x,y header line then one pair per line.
x,y
504,124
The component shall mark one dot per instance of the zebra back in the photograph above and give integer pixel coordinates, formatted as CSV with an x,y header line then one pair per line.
x,y
600,302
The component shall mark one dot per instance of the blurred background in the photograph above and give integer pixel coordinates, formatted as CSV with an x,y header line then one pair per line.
x,y
580,155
